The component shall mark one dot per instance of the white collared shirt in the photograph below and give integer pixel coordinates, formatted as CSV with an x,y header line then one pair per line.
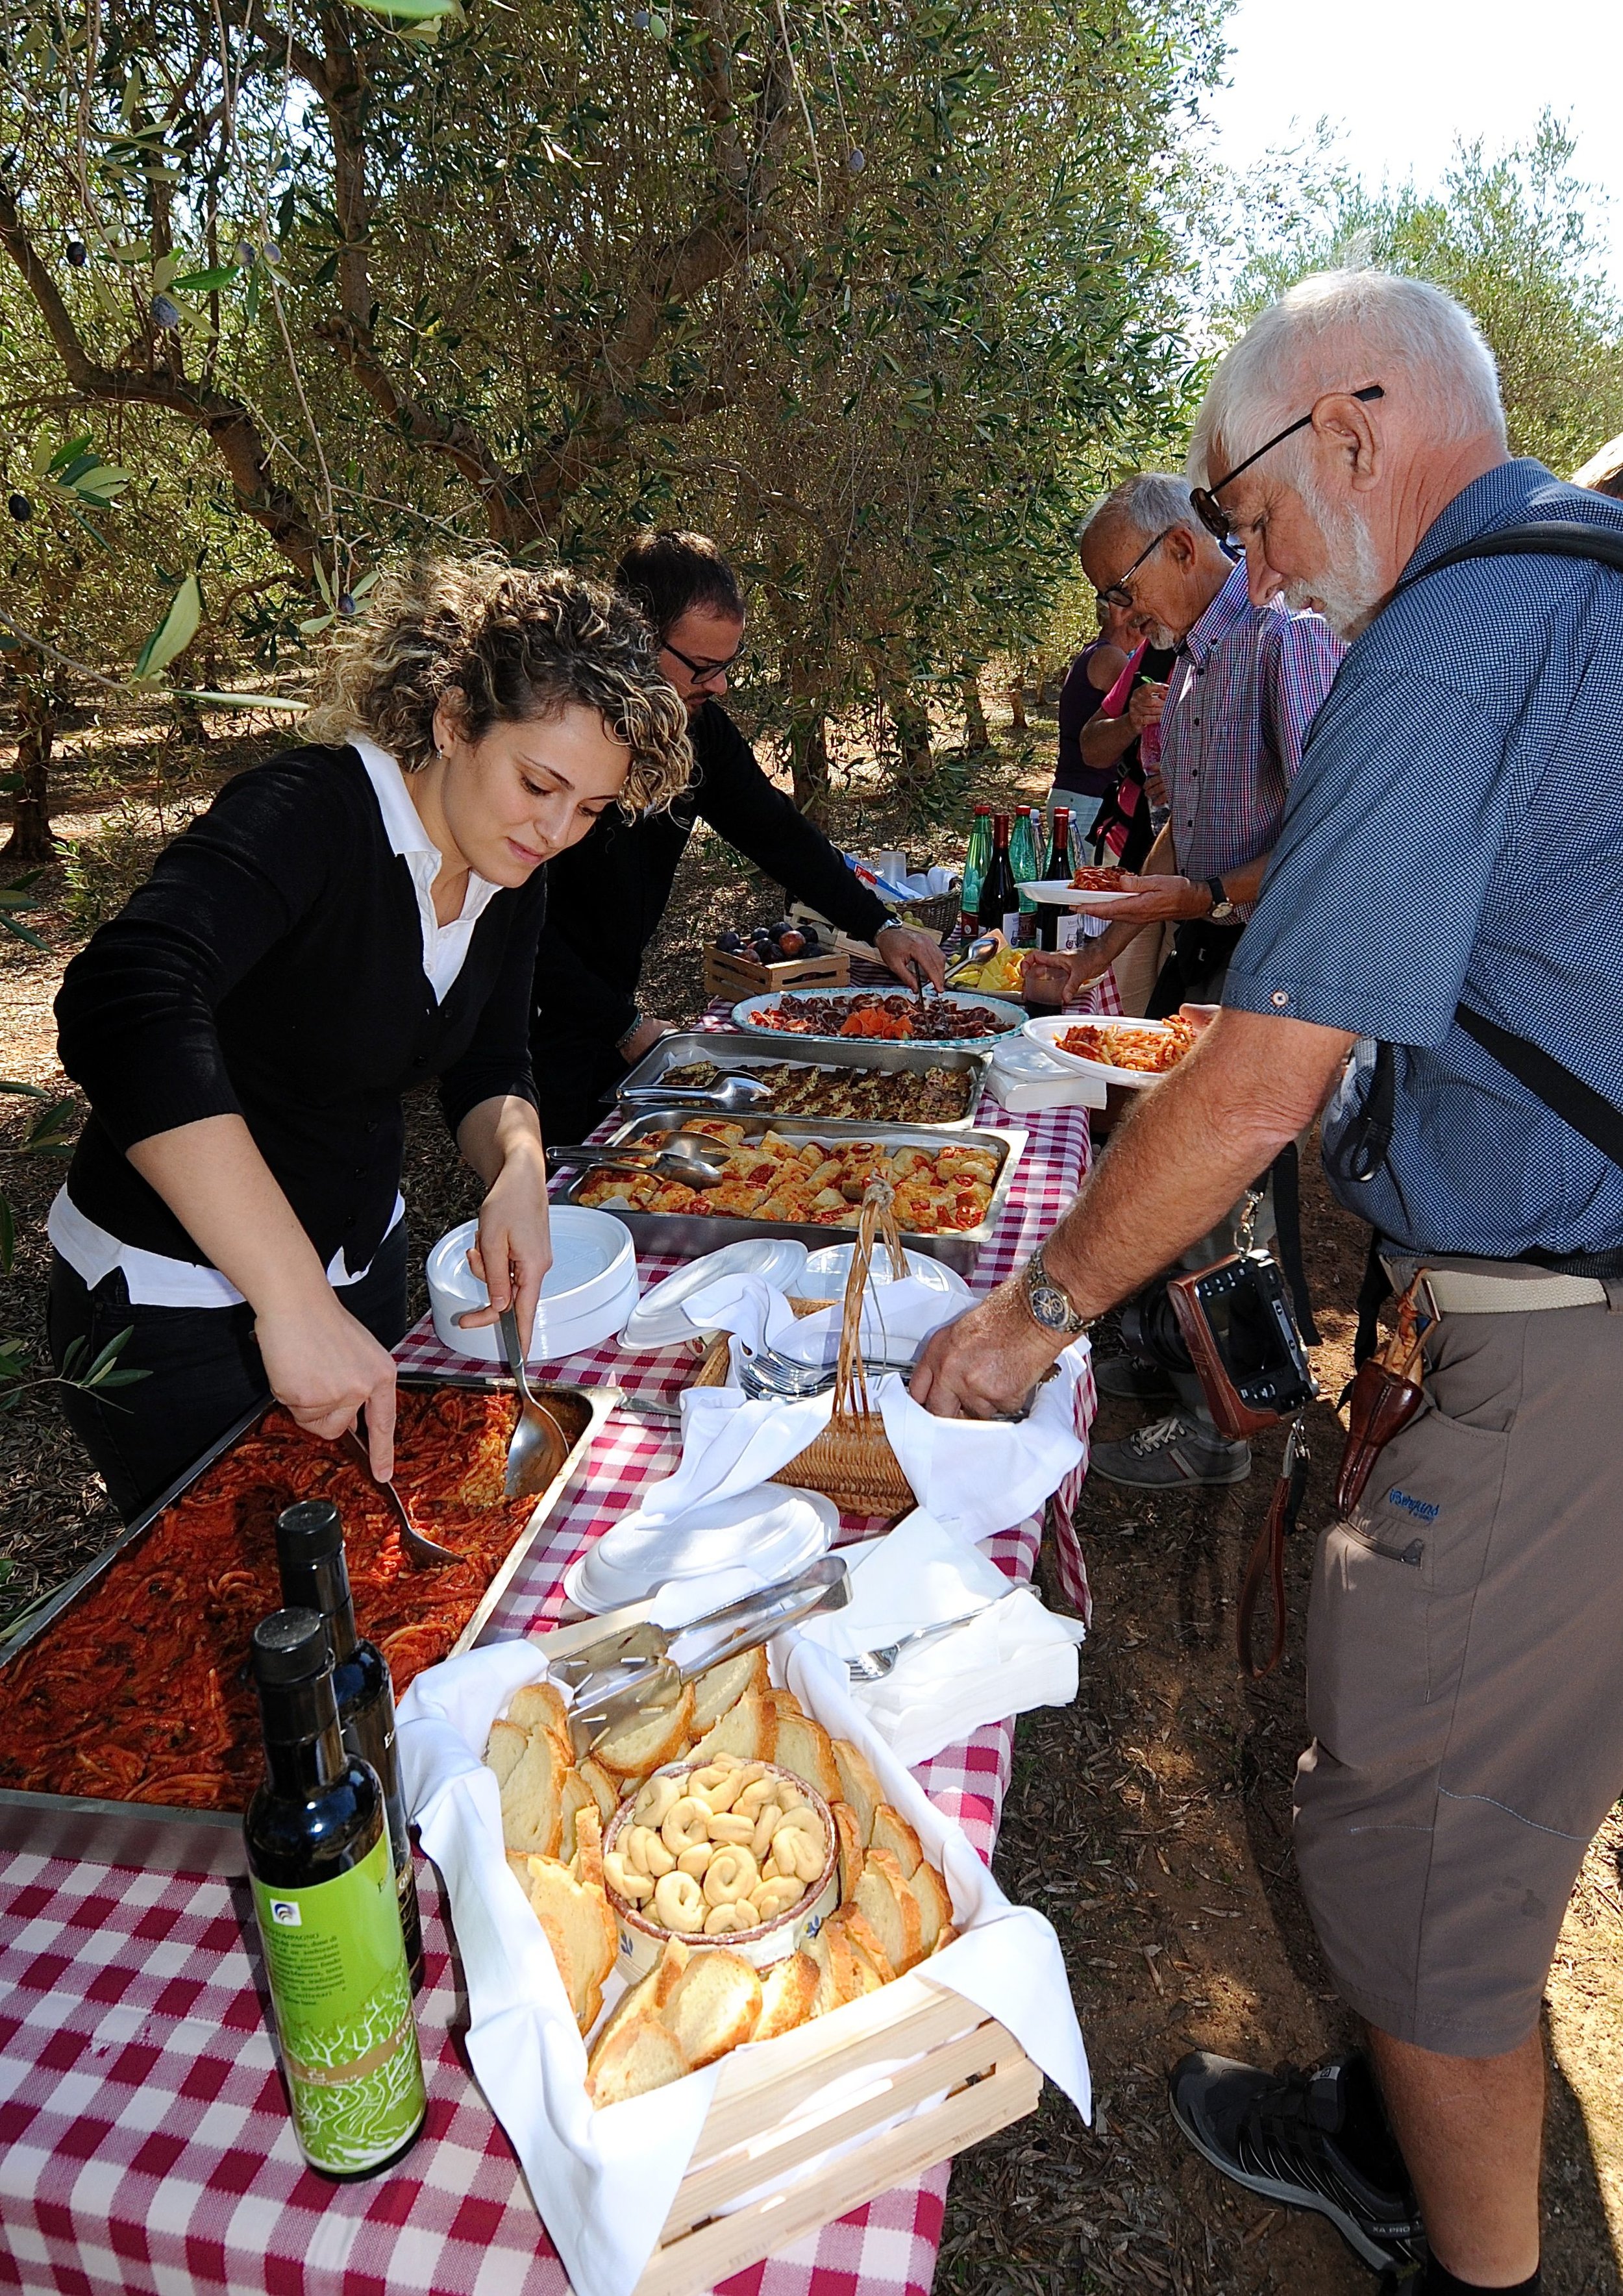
x,y
154,1279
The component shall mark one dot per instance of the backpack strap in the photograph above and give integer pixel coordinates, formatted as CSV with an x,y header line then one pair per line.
x,y
1545,538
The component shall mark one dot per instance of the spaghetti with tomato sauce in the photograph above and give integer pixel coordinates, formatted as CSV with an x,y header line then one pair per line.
x,y
138,1692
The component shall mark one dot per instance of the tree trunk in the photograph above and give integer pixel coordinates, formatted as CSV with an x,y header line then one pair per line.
x,y
975,733
30,842
911,724
1017,707
808,757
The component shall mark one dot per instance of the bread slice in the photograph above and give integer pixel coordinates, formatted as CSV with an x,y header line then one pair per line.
x,y
857,1928
647,1740
724,1685
748,1729
714,2005
856,1969
648,1995
641,2054
788,1990
890,1909
819,1950
895,1834
506,1750
577,1796
935,1906
586,1864
949,1936
858,1786
539,1706
787,1703
805,1749
576,1917
851,1852
604,1789
532,1796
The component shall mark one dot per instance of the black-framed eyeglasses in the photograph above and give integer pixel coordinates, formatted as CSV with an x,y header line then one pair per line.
x,y
704,673
1117,593
1211,512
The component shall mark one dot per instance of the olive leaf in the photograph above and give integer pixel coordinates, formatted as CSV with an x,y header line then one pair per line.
x,y
174,633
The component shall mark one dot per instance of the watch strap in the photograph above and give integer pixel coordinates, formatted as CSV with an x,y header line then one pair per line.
x,y
1038,1278
1219,898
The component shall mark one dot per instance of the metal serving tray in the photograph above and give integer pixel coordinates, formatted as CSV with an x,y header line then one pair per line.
x,y
736,1053
175,1840
689,1233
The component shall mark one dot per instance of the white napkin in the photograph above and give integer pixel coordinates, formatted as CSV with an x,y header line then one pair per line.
x,y
604,2181
1014,1655
896,1320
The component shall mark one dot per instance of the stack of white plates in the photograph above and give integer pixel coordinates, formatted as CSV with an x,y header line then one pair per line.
x,y
774,1530
659,1321
585,1295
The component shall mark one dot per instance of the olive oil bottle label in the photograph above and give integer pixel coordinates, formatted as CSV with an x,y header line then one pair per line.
x,y
343,2002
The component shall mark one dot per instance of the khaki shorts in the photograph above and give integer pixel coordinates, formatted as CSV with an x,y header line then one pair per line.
x,y
1465,1683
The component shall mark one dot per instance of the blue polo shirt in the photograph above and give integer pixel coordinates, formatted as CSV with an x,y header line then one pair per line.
x,y
1455,832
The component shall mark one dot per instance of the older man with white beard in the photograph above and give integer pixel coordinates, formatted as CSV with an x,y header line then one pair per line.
x,y
1447,897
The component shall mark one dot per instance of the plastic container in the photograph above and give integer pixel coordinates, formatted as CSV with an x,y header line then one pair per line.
x,y
587,1294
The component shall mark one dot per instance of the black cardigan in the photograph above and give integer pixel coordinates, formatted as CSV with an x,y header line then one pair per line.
x,y
608,894
271,968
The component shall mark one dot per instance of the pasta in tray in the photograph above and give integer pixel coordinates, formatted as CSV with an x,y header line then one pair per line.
x,y
937,1191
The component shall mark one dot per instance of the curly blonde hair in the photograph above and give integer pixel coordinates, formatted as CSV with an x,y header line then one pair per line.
x,y
500,645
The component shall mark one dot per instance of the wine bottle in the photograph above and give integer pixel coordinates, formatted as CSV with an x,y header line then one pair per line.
x,y
999,910
315,1575
977,854
1057,927
329,1916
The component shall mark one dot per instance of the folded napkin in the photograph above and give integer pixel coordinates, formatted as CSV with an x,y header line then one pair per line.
x,y
896,1318
1015,1654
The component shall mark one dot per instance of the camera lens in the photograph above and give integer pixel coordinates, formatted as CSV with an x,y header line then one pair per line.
x,y
1150,1329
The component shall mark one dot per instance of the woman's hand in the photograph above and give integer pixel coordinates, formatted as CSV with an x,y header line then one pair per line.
x,y
1149,700
903,947
324,1368
514,1249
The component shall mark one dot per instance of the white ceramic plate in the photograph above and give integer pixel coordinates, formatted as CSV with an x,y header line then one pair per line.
x,y
1011,1015
658,1321
1053,1026
776,1530
823,1275
1060,893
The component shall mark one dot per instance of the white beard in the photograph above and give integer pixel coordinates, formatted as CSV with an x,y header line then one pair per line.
x,y
1351,592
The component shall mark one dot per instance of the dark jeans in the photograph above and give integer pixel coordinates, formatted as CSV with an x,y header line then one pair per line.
x,y
204,1370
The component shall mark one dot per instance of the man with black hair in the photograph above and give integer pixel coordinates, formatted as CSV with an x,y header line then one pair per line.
x,y
606,897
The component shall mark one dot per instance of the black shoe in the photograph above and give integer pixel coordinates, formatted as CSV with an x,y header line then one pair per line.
x,y
1135,1378
1312,2140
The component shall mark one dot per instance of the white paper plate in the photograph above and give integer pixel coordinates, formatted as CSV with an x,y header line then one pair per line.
x,y
590,1287
775,1530
658,1321
1011,1015
824,1274
1053,1026
1060,893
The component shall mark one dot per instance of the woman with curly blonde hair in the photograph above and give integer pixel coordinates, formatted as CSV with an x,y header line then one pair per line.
x,y
343,923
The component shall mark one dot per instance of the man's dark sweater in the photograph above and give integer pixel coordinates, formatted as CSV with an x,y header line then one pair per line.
x,y
606,896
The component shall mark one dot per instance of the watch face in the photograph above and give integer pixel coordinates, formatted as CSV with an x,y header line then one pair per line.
x,y
1049,1308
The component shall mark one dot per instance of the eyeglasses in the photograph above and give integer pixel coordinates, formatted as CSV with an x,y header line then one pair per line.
x,y
1117,593
704,673
1211,512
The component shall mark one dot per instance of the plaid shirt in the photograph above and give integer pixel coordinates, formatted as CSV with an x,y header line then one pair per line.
x,y
1243,692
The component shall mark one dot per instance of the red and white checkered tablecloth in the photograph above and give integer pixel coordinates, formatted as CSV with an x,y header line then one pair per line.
x,y
144,2141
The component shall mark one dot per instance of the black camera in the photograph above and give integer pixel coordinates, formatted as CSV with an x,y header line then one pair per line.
x,y
1232,1327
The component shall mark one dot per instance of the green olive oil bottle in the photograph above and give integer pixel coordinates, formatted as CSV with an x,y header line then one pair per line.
x,y
329,1915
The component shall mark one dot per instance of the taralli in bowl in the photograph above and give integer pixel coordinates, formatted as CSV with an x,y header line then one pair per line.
x,y
725,1851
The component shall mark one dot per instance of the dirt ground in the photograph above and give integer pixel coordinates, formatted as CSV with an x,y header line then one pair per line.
x,y
1150,1821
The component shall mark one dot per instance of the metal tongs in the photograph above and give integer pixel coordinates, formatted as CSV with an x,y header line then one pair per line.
x,y
630,1670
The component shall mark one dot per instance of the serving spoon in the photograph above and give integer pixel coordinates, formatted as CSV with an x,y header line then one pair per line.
x,y
426,1553
729,1095
539,1446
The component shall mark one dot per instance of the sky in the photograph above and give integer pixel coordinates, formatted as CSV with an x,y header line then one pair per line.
x,y
1405,77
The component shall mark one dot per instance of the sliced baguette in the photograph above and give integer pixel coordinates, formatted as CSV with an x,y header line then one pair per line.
x,y
935,1906
748,1729
506,1750
587,1864
641,1744
714,2005
805,1749
949,1936
788,1990
819,1950
890,1909
577,1796
858,1786
856,1927
604,1789
532,1796
786,1701
851,1851
577,1913
857,1971
539,1706
895,1834
642,2053
722,1688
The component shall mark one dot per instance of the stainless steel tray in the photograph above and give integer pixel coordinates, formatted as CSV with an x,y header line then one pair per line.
x,y
176,1839
689,1233
736,1053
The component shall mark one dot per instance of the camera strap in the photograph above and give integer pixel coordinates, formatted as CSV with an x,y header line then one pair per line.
x,y
1267,1557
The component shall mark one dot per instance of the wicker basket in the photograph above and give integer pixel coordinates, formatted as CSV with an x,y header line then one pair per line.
x,y
851,1461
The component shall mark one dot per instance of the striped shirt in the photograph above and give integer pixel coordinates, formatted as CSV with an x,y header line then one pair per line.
x,y
1243,692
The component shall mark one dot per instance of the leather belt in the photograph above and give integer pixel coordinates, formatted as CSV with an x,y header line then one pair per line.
x,y
1463,1286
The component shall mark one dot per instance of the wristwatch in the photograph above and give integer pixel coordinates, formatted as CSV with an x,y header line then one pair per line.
x,y
1222,907
1047,1303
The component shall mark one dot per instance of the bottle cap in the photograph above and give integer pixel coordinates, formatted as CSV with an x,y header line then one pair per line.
x,y
290,1646
309,1532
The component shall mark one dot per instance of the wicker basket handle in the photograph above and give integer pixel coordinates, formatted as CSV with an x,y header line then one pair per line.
x,y
878,1223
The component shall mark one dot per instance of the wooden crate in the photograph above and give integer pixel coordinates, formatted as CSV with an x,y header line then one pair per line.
x,y
738,977
919,2042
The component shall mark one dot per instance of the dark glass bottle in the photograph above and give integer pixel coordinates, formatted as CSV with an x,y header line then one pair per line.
x,y
999,910
314,1575
329,1917
1057,927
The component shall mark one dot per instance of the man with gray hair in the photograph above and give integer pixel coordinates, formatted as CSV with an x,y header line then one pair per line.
x,y
1445,905
1243,690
